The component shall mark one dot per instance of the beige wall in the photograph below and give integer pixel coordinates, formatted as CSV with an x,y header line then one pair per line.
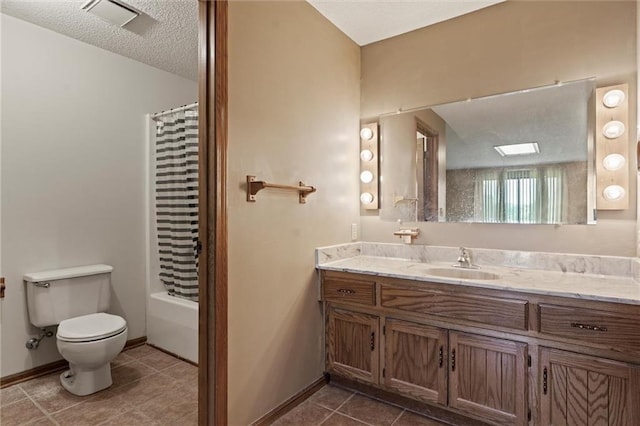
x,y
509,46
293,115
73,171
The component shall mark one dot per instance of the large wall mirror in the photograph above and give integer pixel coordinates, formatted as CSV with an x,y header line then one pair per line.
x,y
520,157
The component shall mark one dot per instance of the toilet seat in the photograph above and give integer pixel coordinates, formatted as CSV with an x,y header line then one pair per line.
x,y
88,328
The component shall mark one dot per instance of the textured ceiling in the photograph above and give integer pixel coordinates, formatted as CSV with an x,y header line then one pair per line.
x,y
165,36
555,117
368,21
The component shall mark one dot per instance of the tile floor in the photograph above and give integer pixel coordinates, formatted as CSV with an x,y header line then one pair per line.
x,y
334,406
153,388
149,388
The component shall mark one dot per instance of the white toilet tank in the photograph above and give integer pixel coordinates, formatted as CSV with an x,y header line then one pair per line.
x,y
57,295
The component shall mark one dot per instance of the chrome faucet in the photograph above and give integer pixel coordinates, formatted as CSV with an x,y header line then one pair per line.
x,y
464,260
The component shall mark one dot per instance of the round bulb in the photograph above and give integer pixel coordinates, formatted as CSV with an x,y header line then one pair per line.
x,y
613,129
366,155
613,162
366,176
613,98
366,133
366,198
613,192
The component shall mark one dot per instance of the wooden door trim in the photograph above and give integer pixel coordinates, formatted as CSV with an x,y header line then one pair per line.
x,y
212,327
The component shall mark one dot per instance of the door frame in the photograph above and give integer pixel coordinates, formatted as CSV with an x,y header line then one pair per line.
x,y
212,322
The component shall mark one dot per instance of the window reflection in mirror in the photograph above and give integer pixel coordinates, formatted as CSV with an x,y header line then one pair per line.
x,y
521,157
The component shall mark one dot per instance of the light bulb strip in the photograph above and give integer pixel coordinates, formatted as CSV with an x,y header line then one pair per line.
x,y
612,147
369,166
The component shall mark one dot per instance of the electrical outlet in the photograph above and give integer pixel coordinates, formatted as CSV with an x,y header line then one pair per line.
x,y
354,232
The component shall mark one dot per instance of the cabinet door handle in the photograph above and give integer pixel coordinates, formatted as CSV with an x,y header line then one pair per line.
x,y
373,340
545,381
346,291
453,360
441,356
588,327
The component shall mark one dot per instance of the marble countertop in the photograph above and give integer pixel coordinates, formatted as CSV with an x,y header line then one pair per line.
x,y
609,288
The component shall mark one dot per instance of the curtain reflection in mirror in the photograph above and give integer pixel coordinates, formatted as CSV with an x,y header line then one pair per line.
x,y
529,195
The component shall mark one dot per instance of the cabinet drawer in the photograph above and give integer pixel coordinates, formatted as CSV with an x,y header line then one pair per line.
x,y
352,291
613,330
502,312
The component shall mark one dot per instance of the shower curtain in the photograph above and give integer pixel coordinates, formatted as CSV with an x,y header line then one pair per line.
x,y
176,194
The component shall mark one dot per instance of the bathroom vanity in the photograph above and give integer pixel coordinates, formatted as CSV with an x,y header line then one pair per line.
x,y
504,344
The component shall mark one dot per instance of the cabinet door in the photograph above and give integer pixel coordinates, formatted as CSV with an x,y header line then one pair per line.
x,y
353,345
583,390
415,360
487,378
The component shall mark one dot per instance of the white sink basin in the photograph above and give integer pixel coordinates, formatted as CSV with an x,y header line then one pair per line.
x,y
461,273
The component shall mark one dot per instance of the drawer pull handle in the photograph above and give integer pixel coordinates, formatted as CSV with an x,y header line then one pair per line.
x,y
588,327
545,380
373,340
441,356
346,291
453,360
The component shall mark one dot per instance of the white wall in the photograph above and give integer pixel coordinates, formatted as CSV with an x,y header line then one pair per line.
x,y
73,170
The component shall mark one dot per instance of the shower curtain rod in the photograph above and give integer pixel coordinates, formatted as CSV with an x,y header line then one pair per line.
x,y
169,111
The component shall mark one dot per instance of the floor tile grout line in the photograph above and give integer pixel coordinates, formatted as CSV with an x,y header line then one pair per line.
x,y
31,396
346,415
336,409
52,420
399,415
17,386
38,406
356,419
344,402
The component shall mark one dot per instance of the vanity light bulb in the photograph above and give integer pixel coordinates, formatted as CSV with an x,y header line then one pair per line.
x,y
613,192
613,129
366,155
366,176
366,133
366,198
613,98
613,162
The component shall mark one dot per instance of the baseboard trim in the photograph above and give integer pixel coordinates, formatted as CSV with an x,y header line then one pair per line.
x,y
135,342
188,361
437,413
290,403
53,367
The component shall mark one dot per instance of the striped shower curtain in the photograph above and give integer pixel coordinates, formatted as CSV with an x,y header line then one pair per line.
x,y
176,194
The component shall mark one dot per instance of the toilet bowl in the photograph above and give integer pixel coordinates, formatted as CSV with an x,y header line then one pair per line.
x,y
89,343
76,299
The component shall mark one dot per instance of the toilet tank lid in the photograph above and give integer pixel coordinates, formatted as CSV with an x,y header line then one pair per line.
x,y
61,274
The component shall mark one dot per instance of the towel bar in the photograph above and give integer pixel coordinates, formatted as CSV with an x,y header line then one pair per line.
x,y
253,186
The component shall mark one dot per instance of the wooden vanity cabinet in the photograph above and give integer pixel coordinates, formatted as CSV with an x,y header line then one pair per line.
x,y
481,376
502,357
416,360
352,341
579,389
488,377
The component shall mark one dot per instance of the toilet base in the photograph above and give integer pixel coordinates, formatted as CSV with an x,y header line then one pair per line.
x,y
82,382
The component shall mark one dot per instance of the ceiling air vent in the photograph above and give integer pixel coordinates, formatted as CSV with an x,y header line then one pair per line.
x,y
111,11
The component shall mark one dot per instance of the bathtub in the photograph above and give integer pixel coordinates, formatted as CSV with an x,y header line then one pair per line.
x,y
172,325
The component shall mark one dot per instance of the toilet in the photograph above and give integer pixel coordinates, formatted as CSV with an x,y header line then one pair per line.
x,y
76,299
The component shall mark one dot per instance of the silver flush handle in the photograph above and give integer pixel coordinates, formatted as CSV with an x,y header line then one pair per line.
x,y
43,285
